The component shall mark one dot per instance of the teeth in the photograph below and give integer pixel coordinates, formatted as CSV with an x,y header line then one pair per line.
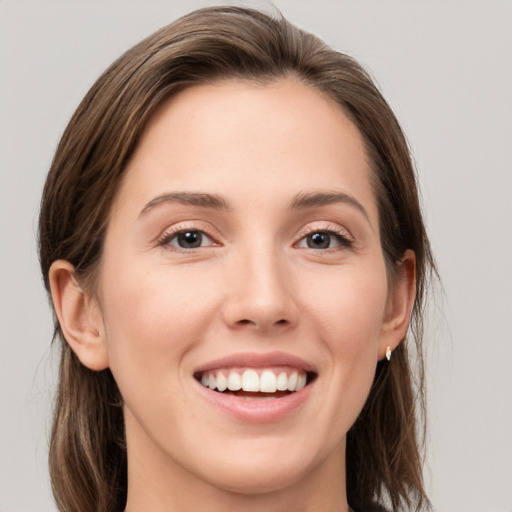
x,y
282,382
250,380
301,382
222,382
234,381
268,382
292,381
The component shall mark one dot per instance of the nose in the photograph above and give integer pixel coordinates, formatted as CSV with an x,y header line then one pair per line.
x,y
259,293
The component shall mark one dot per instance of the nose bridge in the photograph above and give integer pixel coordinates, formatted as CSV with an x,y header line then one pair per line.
x,y
262,295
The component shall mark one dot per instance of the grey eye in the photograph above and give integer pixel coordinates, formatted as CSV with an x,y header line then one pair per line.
x,y
324,240
318,240
189,239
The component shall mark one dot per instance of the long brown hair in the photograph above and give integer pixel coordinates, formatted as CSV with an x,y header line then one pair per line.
x,y
87,448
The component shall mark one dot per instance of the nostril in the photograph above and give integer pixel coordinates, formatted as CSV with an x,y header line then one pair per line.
x,y
262,322
245,321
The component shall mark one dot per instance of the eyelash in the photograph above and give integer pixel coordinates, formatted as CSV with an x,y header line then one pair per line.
x,y
343,238
172,233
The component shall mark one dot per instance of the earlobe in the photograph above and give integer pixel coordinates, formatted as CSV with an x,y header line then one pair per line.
x,y
399,306
79,316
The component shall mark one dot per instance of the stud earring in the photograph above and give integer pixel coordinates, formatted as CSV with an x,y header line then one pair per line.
x,y
388,353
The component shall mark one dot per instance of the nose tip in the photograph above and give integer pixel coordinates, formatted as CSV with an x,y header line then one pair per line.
x,y
249,312
261,299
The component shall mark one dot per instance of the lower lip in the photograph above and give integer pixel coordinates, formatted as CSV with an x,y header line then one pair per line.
x,y
257,410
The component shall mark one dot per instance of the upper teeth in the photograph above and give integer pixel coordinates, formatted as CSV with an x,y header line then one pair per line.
x,y
251,380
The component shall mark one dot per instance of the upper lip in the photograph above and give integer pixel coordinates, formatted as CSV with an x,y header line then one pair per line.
x,y
258,360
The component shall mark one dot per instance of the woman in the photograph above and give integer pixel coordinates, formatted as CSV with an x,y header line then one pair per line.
x,y
232,239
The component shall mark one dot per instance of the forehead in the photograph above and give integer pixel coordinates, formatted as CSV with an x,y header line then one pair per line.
x,y
233,136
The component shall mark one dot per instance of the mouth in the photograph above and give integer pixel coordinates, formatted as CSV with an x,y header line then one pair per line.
x,y
257,387
256,383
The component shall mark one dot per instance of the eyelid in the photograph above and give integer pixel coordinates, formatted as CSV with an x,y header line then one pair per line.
x,y
328,227
181,227
205,228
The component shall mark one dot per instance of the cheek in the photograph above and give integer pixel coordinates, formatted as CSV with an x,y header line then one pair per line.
x,y
360,326
153,316
349,317
348,306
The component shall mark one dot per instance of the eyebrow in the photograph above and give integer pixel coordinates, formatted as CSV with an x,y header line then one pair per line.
x,y
310,200
301,201
212,201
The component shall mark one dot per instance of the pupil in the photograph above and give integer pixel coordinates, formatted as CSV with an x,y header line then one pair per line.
x,y
190,239
319,241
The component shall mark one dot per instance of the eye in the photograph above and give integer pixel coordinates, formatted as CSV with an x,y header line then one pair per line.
x,y
324,240
188,239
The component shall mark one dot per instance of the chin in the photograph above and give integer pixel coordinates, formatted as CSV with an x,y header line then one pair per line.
x,y
266,469
241,479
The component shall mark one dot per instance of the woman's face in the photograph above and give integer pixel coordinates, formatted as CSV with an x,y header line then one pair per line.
x,y
243,250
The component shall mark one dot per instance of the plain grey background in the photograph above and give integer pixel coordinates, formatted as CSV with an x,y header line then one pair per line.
x,y
446,69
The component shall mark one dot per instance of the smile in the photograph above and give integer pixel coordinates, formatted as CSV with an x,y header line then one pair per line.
x,y
252,381
257,388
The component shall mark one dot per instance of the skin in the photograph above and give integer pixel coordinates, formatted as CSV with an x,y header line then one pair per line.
x,y
160,311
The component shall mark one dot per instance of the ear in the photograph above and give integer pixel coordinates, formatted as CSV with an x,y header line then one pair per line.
x,y
79,316
399,305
